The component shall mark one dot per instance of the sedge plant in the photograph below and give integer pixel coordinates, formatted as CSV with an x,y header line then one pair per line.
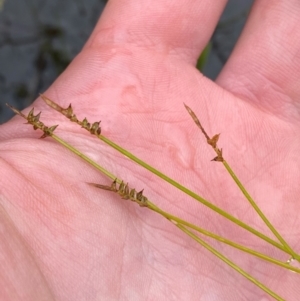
x,y
127,192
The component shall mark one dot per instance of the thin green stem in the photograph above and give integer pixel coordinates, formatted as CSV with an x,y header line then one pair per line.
x,y
221,239
68,113
175,218
229,262
84,157
48,131
179,223
259,212
192,194
213,143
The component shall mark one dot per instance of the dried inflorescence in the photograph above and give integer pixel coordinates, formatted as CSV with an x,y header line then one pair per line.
x,y
35,121
122,189
125,192
211,141
93,128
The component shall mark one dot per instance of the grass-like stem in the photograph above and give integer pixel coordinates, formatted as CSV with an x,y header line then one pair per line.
x,y
213,143
178,220
192,194
180,224
169,216
71,116
222,239
48,131
259,212
229,262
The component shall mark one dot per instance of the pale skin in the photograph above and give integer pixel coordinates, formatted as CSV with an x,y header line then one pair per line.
x,y
62,239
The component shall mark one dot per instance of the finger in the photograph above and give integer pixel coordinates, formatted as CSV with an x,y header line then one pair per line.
x,y
265,65
181,28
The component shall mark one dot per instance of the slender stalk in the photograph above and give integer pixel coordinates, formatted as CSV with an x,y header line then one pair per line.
x,y
177,219
260,213
84,157
153,207
230,263
222,239
125,192
179,223
192,194
68,113
213,143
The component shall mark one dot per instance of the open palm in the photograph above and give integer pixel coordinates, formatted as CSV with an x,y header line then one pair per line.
x,y
62,239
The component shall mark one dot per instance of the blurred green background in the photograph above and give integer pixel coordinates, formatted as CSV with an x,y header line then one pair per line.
x,y
39,38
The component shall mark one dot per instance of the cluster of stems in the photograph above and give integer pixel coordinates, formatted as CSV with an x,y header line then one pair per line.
x,y
119,187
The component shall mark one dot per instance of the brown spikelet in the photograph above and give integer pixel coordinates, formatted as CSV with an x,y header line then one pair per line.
x,y
125,192
211,141
94,128
34,120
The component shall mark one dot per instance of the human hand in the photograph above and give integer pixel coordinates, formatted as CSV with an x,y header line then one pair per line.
x,y
64,240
